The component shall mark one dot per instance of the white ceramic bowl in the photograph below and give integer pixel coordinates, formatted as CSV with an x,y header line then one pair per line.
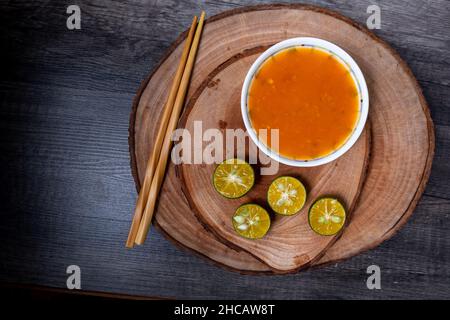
x,y
357,75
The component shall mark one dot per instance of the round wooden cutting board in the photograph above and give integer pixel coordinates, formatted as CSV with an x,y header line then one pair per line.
x,y
290,244
401,149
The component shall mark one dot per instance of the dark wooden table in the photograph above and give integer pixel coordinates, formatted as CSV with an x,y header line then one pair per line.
x,y
67,194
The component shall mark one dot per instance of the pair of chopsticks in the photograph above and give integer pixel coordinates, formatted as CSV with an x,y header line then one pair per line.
x,y
157,162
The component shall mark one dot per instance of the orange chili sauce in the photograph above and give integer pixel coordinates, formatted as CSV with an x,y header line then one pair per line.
x,y
310,96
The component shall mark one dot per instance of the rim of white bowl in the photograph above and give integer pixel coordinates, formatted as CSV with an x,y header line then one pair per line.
x,y
358,78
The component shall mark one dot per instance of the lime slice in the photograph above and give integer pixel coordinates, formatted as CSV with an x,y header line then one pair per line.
x,y
327,216
251,221
233,178
286,195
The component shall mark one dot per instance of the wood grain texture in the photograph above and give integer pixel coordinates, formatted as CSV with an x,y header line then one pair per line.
x,y
67,193
403,136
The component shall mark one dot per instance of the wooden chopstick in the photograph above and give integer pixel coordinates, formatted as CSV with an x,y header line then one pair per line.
x,y
154,157
162,162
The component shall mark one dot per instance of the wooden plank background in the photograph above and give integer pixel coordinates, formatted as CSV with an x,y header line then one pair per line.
x,y
67,194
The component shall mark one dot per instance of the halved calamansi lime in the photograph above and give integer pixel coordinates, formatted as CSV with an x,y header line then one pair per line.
x,y
286,195
327,216
251,221
233,178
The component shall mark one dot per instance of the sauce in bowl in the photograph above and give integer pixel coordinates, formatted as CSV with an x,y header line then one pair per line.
x,y
308,94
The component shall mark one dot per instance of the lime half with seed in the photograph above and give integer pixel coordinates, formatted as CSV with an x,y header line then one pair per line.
x,y
286,195
233,178
327,216
251,221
